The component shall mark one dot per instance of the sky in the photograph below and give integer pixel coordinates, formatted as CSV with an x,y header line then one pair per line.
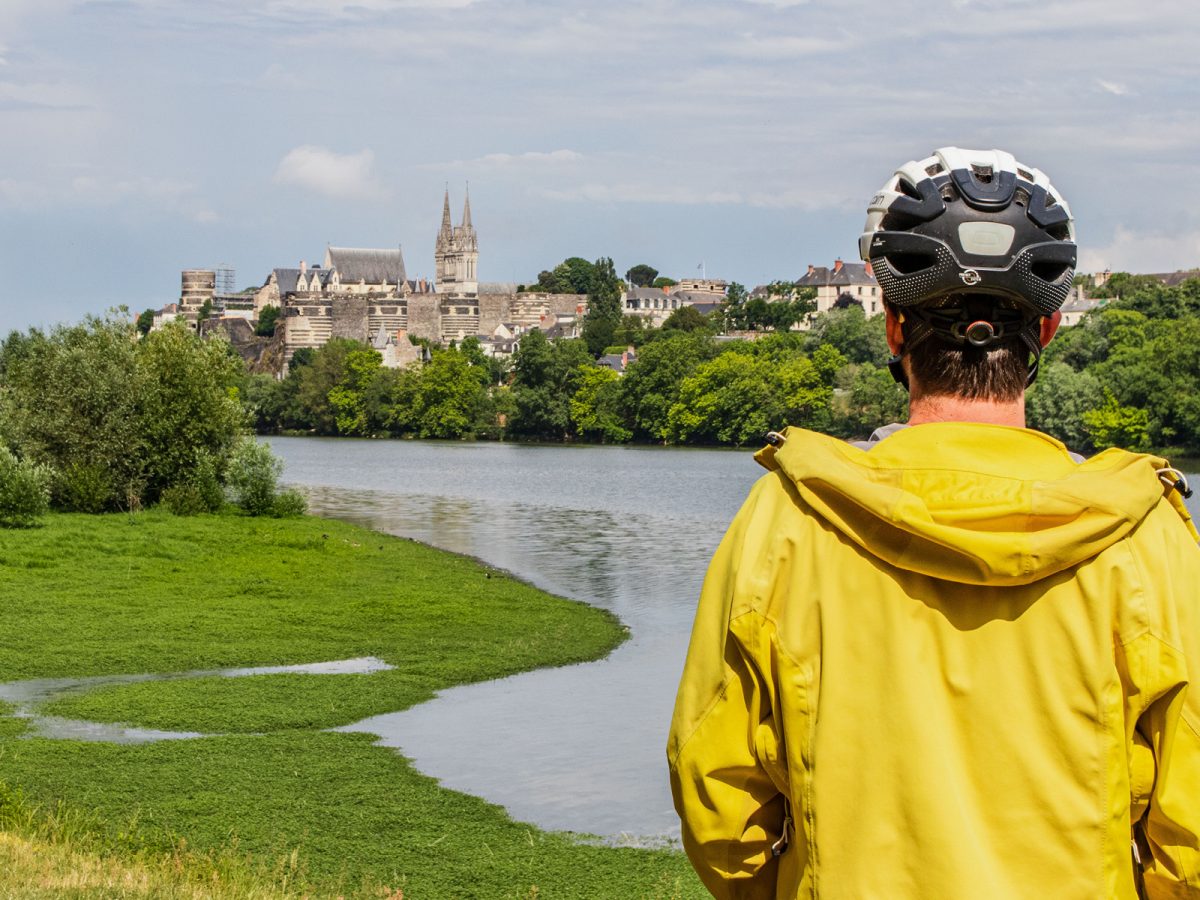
x,y
142,137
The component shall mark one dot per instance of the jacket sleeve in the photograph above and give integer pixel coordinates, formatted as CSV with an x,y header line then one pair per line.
x,y
731,806
1170,724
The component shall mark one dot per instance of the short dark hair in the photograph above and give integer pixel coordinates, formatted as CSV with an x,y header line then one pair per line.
x,y
944,368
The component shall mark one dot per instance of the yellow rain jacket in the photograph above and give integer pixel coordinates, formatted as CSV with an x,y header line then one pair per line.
x,y
956,665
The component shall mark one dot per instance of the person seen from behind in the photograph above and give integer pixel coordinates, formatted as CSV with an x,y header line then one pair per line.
x,y
956,660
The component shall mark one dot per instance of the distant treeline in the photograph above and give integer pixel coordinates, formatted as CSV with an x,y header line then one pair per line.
x,y
1128,375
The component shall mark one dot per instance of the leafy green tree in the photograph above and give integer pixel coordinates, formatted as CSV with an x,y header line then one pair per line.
x,y
663,281
121,420
348,398
1113,425
145,321
595,410
1058,400
687,318
858,338
631,331
205,312
315,380
450,396
604,307
24,491
866,398
70,402
738,397
268,319
651,384
544,375
641,275
189,412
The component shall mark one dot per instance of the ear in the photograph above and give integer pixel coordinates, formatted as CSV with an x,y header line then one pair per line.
x,y
895,334
1050,326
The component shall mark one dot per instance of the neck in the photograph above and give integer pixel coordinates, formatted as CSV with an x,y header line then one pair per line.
x,y
942,408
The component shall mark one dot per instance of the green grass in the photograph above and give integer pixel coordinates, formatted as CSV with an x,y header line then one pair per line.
x,y
113,595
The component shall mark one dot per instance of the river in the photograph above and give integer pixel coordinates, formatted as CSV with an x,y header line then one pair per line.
x,y
629,529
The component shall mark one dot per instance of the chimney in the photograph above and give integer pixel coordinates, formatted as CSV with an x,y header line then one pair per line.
x,y
870,271
303,267
811,268
837,265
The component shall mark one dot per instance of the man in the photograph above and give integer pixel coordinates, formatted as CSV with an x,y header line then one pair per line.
x,y
955,661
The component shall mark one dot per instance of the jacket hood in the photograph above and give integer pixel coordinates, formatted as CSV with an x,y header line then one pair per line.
x,y
972,503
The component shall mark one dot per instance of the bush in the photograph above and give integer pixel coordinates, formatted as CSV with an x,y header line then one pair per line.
x,y
83,487
24,491
289,504
183,500
252,477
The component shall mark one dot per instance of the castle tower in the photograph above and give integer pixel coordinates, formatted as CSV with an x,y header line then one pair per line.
x,y
457,253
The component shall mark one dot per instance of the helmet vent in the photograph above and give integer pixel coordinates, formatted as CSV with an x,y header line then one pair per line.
x,y
908,263
935,169
1022,197
908,190
983,174
1028,176
1049,271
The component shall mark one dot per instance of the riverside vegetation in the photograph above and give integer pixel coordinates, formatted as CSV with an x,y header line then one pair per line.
x,y
120,435
1128,375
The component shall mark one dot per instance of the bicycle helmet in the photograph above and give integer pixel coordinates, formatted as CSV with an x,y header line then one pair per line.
x,y
973,246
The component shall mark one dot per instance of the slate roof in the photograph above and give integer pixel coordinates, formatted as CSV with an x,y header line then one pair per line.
x,y
497,287
1174,279
370,266
824,276
286,280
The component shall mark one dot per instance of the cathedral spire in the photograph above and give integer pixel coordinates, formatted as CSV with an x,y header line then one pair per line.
x,y
446,228
466,222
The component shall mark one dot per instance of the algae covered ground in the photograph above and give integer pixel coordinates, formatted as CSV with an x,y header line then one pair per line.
x,y
153,593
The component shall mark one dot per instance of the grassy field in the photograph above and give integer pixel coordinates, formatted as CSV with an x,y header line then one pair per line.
x,y
154,593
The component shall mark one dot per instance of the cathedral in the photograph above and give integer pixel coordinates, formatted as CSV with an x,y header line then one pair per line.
x,y
366,295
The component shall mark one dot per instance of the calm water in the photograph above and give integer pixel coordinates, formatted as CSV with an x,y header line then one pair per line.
x,y
627,529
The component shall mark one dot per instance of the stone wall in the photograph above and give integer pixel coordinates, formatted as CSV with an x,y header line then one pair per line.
x,y
424,316
494,309
350,316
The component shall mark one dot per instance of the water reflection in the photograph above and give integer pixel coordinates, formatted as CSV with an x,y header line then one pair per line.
x,y
26,698
627,529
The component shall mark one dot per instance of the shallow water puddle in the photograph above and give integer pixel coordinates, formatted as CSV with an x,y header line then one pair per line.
x,y
27,696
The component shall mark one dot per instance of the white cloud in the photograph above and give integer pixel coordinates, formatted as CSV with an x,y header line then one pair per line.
x,y
636,193
1132,251
1113,87
334,174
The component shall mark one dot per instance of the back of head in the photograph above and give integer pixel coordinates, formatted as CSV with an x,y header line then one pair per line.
x,y
972,249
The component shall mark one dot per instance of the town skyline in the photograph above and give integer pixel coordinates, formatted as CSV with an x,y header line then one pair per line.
x,y
149,136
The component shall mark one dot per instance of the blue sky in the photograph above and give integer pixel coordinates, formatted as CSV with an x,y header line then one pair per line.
x,y
141,137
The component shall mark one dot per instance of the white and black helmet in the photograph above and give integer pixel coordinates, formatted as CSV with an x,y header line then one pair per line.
x,y
971,223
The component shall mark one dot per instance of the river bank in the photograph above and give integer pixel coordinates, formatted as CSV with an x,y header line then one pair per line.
x,y
152,593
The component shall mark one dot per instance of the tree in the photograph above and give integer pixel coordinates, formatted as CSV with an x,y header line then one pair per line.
x,y
595,411
267,321
1058,400
738,397
121,420
858,338
205,312
315,380
1113,425
663,281
348,398
652,382
544,375
450,395
631,331
866,398
604,307
641,275
145,321
687,318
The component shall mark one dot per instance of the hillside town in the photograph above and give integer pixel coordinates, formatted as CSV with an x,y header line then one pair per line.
x,y
365,294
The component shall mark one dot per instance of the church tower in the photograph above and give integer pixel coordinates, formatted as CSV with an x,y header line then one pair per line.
x,y
456,253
